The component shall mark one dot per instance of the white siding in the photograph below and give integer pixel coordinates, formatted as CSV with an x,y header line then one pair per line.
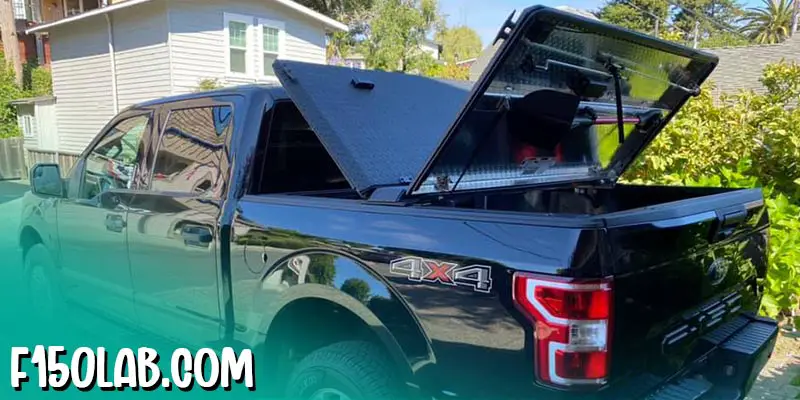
x,y
142,55
81,71
46,123
199,44
82,80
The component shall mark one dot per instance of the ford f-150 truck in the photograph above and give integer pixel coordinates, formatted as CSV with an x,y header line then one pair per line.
x,y
376,235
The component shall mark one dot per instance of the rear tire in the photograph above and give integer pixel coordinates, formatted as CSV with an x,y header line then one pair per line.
x,y
343,371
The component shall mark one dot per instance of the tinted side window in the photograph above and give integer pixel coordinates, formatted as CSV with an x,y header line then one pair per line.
x,y
112,163
295,160
191,152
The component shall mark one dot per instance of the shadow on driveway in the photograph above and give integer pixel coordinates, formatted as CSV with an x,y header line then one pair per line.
x,y
12,190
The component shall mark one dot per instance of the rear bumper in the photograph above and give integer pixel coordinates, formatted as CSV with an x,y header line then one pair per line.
x,y
742,349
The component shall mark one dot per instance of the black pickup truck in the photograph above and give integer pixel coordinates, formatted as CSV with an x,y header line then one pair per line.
x,y
375,235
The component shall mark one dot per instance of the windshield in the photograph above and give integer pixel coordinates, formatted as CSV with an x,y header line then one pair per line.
x,y
549,112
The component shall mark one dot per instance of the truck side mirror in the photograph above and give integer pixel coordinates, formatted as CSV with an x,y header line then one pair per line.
x,y
46,180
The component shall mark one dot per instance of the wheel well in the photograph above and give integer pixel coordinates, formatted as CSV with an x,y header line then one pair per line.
x,y
307,325
28,238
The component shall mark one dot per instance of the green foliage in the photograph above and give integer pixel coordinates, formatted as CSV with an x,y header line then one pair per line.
x,y
396,33
36,80
448,71
358,288
724,12
723,39
638,15
771,23
9,90
356,14
746,140
321,270
459,43
677,23
208,84
41,82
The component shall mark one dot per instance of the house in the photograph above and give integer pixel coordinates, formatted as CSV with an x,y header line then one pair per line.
x,y
111,57
468,63
359,61
740,68
432,48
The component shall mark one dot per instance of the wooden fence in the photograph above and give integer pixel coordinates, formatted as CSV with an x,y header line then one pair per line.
x,y
64,160
12,159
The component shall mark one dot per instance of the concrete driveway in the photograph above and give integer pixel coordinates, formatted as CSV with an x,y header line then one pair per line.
x,y
12,190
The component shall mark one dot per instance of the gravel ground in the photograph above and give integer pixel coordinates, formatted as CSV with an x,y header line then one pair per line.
x,y
775,380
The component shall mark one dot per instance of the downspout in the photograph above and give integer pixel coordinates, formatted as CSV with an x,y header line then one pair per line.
x,y
114,96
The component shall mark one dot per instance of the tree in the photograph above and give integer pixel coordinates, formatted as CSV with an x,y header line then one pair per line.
x,y
723,13
9,90
321,269
358,288
459,43
448,71
356,14
771,23
8,33
639,15
395,34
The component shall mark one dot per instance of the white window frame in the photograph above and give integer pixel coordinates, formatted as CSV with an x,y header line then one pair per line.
x,y
248,50
28,130
281,27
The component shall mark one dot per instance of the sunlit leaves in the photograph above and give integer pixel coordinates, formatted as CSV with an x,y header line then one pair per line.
x,y
743,140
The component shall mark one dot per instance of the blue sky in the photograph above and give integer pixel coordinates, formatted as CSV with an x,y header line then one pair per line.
x,y
485,16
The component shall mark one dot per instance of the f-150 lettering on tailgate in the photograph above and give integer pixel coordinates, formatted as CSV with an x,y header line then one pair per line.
x,y
478,277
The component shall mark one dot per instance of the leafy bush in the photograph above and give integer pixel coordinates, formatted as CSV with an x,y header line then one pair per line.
x,y
9,90
208,84
448,71
41,82
745,140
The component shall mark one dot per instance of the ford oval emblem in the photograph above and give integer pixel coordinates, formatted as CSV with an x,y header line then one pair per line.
x,y
717,271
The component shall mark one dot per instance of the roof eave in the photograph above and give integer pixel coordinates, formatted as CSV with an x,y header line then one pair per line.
x,y
329,23
98,11
31,100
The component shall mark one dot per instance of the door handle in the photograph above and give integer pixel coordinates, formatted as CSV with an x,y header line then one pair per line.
x,y
196,236
115,223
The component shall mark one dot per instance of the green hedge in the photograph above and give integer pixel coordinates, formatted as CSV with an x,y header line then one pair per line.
x,y
36,81
744,140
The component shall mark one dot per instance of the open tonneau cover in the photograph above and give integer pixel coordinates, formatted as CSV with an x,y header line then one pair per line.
x,y
379,127
564,99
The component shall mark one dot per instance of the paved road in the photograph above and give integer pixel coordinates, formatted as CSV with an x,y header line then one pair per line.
x,y
10,190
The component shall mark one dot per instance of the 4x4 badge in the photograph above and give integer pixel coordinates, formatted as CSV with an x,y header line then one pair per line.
x,y
478,277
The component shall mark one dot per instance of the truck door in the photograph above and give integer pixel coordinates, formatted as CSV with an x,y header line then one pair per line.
x,y
92,219
173,233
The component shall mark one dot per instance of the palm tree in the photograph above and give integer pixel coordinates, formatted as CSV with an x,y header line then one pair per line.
x,y
771,23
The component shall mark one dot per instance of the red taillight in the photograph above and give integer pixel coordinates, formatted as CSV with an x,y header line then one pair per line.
x,y
572,327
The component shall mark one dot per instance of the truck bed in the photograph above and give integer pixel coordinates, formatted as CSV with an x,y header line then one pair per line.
x,y
655,243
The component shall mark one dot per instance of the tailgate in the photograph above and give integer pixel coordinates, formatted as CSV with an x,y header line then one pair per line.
x,y
682,271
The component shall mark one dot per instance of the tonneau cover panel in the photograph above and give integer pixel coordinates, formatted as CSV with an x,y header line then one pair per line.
x,y
380,132
545,108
